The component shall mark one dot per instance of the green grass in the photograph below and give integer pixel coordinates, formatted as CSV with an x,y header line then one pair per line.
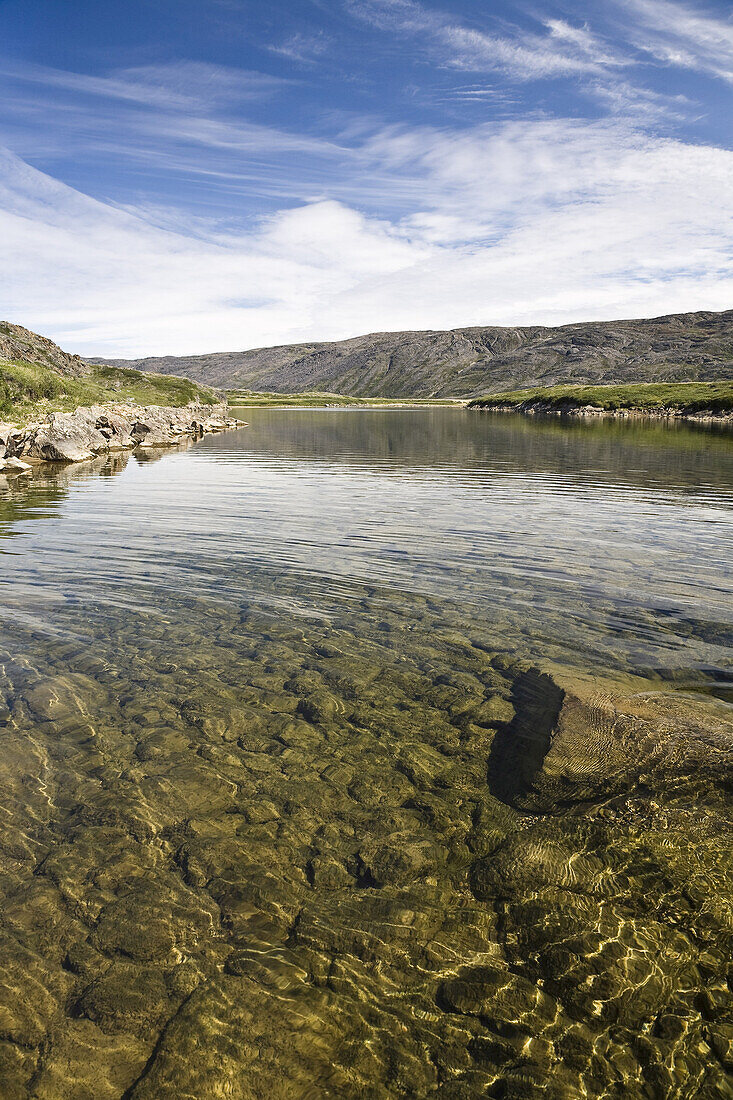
x,y
683,397
29,390
314,398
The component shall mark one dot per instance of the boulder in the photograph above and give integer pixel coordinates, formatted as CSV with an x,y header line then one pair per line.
x,y
12,467
5,432
65,437
98,429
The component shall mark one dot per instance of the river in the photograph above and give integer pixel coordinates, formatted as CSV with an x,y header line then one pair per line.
x,y
274,712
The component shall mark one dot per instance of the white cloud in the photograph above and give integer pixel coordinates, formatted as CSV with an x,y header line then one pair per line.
x,y
687,37
538,221
570,221
176,86
305,48
625,100
100,279
564,50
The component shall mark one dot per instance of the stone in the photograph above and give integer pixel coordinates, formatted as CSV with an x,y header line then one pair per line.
x,y
98,429
12,467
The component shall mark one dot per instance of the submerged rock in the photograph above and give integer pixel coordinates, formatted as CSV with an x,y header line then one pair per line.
x,y
14,466
563,751
265,855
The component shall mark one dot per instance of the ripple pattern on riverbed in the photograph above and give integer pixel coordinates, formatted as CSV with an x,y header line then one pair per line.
x,y
275,827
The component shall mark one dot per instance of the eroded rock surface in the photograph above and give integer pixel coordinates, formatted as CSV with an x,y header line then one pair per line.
x,y
100,429
20,344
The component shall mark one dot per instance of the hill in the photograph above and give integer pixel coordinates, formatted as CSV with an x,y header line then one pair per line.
x,y
20,345
37,377
469,362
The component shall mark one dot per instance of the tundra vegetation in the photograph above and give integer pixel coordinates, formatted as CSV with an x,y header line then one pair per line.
x,y
316,399
38,378
682,398
29,390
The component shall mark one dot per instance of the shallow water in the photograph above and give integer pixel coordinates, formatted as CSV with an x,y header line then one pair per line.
x,y
280,814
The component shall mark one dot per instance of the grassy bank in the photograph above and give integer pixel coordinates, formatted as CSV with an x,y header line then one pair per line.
x,y
684,398
29,390
316,399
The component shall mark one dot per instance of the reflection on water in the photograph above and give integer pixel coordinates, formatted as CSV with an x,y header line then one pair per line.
x,y
603,547
292,807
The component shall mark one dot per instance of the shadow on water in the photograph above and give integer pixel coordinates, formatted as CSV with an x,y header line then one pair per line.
x,y
519,748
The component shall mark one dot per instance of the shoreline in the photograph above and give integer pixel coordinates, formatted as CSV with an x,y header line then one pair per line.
x,y
64,438
366,403
546,409
356,408
70,437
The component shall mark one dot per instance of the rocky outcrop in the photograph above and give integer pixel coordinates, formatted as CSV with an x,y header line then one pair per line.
x,y
19,344
468,362
99,429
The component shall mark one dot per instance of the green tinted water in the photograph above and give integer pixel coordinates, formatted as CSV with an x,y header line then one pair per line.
x,y
279,815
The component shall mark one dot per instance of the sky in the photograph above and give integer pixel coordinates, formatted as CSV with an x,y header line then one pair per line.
x,y
188,176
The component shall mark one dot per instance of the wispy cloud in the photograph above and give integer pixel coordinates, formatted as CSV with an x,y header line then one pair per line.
x,y
176,86
687,37
304,48
499,100
235,226
627,100
170,121
610,72
561,50
534,221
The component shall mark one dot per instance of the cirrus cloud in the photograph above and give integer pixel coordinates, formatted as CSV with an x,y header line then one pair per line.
x,y
544,221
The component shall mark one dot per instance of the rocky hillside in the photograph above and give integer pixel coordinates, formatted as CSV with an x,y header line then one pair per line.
x,y
18,344
475,361
37,377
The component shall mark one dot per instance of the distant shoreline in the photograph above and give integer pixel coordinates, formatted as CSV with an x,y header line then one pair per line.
x,y
591,412
355,407
701,402
252,399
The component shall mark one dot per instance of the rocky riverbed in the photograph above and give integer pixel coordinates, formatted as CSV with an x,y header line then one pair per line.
x,y
275,827
99,429
259,856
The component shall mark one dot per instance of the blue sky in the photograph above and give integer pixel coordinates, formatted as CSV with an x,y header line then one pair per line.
x,y
191,176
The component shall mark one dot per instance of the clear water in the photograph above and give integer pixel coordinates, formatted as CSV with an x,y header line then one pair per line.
x,y
273,709
598,546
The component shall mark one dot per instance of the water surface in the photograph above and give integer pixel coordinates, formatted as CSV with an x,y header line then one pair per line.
x,y
273,711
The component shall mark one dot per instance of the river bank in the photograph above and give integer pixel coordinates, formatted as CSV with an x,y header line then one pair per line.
x,y
78,436
545,408
314,399
701,402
